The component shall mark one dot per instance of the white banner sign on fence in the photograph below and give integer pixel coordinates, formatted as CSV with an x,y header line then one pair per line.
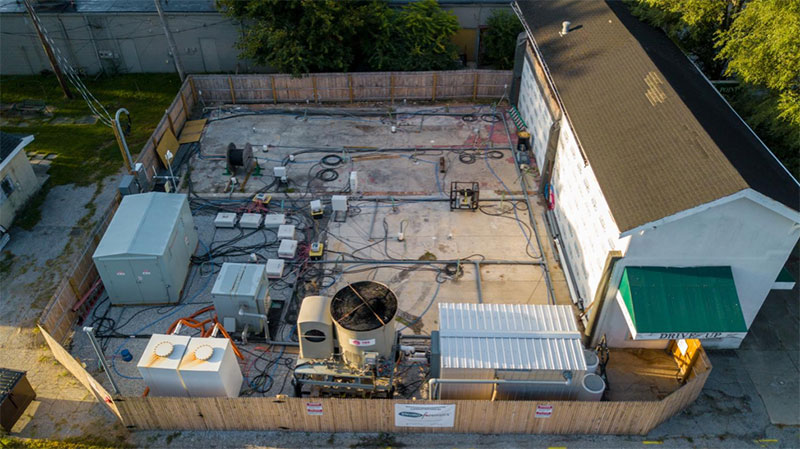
x,y
424,415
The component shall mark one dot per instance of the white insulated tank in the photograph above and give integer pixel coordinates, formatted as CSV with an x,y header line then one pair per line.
x,y
592,361
209,368
159,364
592,388
363,313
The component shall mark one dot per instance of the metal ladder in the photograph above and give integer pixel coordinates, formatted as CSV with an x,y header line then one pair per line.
x,y
517,119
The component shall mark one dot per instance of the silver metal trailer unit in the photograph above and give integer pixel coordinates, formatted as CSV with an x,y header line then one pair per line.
x,y
145,253
508,351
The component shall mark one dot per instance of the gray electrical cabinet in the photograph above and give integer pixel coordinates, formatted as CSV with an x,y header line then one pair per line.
x,y
145,254
242,287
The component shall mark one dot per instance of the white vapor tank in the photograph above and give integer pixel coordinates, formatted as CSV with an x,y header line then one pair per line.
x,y
209,368
159,364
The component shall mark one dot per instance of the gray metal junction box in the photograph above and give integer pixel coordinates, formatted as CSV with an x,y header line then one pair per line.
x,y
145,253
242,286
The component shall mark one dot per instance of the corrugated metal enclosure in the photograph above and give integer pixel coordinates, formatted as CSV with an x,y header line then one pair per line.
x,y
145,253
537,344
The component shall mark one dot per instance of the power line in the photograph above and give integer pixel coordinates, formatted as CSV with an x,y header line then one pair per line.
x,y
94,104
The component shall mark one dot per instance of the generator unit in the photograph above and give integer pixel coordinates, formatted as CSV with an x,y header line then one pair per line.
x,y
241,297
145,253
361,317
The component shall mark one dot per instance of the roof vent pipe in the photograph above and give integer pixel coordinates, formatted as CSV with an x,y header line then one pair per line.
x,y
565,27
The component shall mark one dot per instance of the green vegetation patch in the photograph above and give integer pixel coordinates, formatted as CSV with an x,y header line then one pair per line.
x,y
86,153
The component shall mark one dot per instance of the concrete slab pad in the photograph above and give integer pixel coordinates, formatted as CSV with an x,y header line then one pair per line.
x,y
776,378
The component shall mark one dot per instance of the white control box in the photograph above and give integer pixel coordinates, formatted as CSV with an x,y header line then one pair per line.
x,y
287,249
279,172
250,221
339,203
274,220
275,268
353,181
286,232
225,220
316,206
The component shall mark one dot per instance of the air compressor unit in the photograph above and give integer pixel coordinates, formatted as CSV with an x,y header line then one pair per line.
x,y
348,343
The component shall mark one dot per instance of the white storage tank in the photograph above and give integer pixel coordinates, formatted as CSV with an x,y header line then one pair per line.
x,y
534,351
592,360
159,364
210,369
242,287
145,254
592,388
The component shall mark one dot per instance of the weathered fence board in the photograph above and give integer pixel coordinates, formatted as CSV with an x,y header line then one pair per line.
x,y
343,87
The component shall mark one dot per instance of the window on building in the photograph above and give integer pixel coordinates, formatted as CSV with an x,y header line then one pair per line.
x,y
7,187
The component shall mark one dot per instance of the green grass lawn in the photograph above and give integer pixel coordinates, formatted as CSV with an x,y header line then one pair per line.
x,y
88,153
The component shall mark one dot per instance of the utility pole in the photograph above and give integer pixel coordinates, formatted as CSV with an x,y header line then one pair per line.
x,y
49,51
172,47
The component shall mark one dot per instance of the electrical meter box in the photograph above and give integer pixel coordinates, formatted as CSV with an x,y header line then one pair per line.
x,y
159,364
145,253
209,368
242,287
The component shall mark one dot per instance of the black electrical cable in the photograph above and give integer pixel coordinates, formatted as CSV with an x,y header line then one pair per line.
x,y
327,175
467,158
337,160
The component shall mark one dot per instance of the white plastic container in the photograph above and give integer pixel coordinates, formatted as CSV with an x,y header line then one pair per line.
x,y
209,368
159,364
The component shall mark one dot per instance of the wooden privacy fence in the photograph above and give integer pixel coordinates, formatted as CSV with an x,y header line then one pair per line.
x,y
350,87
378,415
60,314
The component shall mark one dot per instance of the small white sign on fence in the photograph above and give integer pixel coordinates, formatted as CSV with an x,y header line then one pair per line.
x,y
314,408
543,411
424,415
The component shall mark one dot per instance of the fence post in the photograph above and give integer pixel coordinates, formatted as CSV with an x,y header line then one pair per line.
x,y
391,87
475,87
74,288
194,90
350,86
314,85
171,125
233,94
433,94
183,102
274,91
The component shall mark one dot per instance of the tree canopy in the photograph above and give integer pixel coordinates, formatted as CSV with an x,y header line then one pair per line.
x,y
755,41
500,40
762,47
302,36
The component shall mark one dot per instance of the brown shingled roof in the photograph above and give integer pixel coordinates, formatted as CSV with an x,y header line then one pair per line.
x,y
658,137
